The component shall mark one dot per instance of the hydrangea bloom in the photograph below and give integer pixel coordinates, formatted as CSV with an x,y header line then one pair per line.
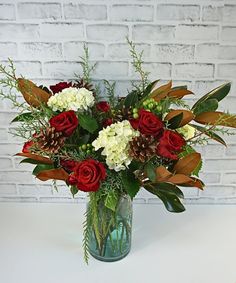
x,y
71,98
115,141
187,131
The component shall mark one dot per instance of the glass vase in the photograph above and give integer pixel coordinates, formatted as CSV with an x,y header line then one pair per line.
x,y
110,232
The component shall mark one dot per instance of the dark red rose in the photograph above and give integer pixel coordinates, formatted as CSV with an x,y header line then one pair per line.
x,y
170,144
147,123
68,165
65,122
107,122
60,86
103,106
27,146
88,175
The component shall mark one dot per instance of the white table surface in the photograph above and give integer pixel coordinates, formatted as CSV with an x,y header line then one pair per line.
x,y
42,243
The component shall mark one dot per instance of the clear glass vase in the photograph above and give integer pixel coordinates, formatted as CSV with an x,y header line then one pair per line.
x,y
110,233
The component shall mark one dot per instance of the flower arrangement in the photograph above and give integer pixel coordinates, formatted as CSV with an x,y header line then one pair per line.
x,y
115,146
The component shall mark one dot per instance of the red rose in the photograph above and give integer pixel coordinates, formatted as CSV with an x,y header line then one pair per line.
x,y
65,122
103,106
60,86
88,175
170,143
68,165
107,122
147,123
27,146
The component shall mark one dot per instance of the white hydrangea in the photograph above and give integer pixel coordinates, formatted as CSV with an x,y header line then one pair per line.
x,y
71,98
187,131
115,141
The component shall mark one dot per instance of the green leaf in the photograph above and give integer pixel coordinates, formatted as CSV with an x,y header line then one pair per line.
x,y
111,200
88,123
150,170
74,190
210,134
168,196
23,117
218,93
174,122
131,99
149,88
205,106
131,184
32,161
179,87
41,167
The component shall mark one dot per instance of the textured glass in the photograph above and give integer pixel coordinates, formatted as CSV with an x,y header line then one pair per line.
x,y
114,230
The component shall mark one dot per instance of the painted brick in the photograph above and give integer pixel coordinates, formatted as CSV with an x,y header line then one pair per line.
x,y
62,30
227,52
122,50
18,31
73,50
219,191
86,12
61,69
228,33
220,165
158,70
226,70
109,69
8,49
7,12
129,13
194,70
212,13
178,12
39,11
154,33
29,69
229,13
107,32
207,51
40,50
197,32
174,52
7,189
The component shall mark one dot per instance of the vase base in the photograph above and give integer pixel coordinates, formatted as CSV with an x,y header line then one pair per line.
x,y
109,259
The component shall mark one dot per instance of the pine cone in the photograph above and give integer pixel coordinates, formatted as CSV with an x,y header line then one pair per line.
x,y
50,140
142,148
82,83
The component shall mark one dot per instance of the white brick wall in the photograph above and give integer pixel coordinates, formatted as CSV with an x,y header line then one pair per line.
x,y
193,42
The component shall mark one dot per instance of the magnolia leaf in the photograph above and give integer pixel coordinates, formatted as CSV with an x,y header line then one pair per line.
x,y
150,171
149,88
179,179
41,167
31,161
194,183
179,93
218,93
131,184
206,106
169,196
88,123
161,92
32,94
186,165
55,174
210,134
175,122
40,159
187,116
131,99
216,118
162,174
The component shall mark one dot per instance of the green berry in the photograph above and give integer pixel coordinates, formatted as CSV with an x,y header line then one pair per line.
x,y
135,110
88,151
150,105
84,146
135,115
